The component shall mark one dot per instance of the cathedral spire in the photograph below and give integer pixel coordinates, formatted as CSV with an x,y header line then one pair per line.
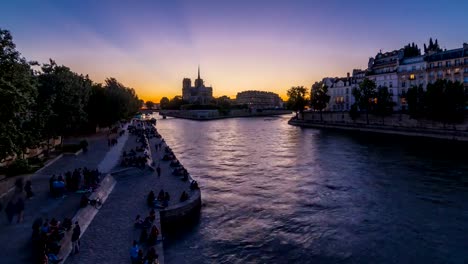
x,y
198,71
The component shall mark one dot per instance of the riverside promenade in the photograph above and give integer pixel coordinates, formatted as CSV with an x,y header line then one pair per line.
x,y
15,238
109,237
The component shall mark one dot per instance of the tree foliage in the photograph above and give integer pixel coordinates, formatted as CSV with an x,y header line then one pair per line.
x,y
38,105
319,97
297,98
18,91
164,103
150,104
415,97
364,96
384,105
411,50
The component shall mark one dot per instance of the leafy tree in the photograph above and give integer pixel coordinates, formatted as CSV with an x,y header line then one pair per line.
x,y
445,101
364,96
353,112
415,98
297,99
384,105
164,103
319,97
176,103
149,104
68,92
18,92
411,50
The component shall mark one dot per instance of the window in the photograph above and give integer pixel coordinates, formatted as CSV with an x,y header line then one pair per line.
x,y
431,65
403,84
412,77
466,79
466,69
457,62
466,61
448,63
347,90
413,68
457,70
449,71
439,64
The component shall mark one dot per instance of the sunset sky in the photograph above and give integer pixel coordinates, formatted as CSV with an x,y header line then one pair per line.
x,y
240,45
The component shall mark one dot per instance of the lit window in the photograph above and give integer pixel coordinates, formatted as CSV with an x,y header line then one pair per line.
x,y
412,77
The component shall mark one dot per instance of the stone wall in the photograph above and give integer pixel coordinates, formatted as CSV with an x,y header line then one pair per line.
x,y
395,120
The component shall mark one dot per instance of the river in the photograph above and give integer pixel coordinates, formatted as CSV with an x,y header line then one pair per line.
x,y
275,193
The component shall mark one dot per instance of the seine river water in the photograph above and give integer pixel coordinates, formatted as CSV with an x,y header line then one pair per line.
x,y
275,193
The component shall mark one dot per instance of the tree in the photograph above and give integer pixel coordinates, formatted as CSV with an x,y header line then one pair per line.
x,y
415,98
445,101
364,96
18,91
68,92
176,103
164,103
297,99
319,97
384,105
149,104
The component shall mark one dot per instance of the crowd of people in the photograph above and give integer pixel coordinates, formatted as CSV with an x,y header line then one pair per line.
x,y
148,238
78,180
47,239
138,156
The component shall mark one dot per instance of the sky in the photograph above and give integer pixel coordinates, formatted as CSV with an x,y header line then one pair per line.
x,y
240,45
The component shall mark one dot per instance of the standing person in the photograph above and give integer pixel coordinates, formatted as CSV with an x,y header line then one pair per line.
x,y
76,238
134,252
28,189
158,170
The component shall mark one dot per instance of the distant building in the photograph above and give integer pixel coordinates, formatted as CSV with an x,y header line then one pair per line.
x,y
340,90
259,99
197,94
449,65
399,71
383,70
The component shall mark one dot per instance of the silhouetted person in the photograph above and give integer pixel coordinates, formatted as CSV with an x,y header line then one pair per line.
x,y
76,238
28,189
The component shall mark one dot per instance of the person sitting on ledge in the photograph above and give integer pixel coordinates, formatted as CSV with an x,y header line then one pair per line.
x,y
153,235
194,185
143,236
147,223
184,197
161,195
152,215
134,252
138,222
150,198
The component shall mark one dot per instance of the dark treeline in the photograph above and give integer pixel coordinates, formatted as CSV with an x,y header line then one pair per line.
x,y
39,102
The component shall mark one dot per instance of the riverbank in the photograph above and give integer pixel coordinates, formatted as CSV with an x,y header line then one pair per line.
x,y
444,134
205,115
110,235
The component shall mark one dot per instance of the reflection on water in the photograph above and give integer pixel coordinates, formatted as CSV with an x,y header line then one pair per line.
x,y
275,193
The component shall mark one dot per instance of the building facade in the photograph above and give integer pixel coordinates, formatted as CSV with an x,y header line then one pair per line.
x,y
449,65
383,70
259,99
341,90
197,94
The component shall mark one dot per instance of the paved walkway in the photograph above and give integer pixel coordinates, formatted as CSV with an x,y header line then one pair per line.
x,y
15,238
109,237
